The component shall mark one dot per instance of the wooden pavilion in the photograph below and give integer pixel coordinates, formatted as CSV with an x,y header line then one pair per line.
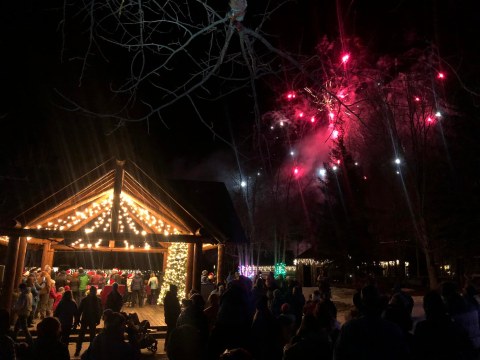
x,y
118,207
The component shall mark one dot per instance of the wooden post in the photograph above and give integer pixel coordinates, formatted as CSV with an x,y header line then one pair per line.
x,y
188,281
165,258
197,266
46,256
51,254
22,250
220,262
9,276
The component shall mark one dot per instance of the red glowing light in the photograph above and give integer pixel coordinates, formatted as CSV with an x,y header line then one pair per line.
x,y
417,98
441,75
345,58
312,119
364,178
335,134
300,114
338,162
291,95
430,120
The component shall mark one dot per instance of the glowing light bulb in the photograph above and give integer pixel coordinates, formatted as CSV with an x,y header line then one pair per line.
x,y
416,98
356,163
291,95
345,58
243,183
364,178
292,153
441,75
397,161
334,167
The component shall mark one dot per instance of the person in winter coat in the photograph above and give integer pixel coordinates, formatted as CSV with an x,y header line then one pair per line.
x,y
35,298
137,290
171,310
153,283
61,279
23,307
47,345
45,284
75,287
88,315
83,282
114,299
65,312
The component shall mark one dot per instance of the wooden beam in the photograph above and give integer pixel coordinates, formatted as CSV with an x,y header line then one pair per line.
x,y
197,266
117,191
166,218
207,247
111,249
188,281
130,237
74,202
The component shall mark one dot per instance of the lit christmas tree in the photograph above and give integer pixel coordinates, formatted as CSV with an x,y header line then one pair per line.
x,y
176,271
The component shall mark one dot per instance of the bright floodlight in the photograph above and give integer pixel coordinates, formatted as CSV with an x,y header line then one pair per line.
x,y
243,183
397,161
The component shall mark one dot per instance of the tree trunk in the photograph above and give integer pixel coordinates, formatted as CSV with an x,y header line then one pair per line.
x,y
429,256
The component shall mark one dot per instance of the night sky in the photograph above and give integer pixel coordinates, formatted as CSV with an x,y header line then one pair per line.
x,y
44,146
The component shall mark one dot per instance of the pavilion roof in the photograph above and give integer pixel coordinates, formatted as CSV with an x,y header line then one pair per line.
x,y
147,206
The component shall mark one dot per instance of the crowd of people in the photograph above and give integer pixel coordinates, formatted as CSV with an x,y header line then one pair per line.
x,y
267,319
70,300
262,319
